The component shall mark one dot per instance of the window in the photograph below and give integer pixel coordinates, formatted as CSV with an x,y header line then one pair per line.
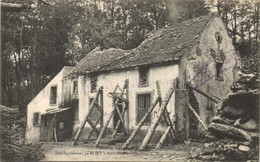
x,y
75,87
93,83
218,37
95,112
143,104
53,95
219,71
36,119
144,76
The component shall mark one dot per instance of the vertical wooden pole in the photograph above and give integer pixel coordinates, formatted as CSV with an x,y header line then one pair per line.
x,y
156,120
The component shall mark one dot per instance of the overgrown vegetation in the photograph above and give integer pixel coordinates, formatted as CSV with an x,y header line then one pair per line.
x,y
12,137
37,43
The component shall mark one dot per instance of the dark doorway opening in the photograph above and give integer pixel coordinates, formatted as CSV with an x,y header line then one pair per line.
x,y
116,116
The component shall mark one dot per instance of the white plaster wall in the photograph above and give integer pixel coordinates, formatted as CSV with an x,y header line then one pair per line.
x,y
164,73
39,104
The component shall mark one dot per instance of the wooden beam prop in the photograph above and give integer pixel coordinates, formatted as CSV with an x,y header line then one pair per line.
x,y
121,118
86,117
164,136
146,115
156,120
118,123
92,130
197,116
117,96
171,123
140,124
92,126
215,100
230,131
112,113
13,7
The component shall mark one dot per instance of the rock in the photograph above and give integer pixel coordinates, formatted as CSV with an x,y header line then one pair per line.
x,y
243,148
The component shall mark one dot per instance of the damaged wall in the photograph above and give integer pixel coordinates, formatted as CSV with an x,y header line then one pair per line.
x,y
200,65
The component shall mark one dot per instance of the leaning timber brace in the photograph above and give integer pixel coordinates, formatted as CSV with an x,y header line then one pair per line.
x,y
157,118
87,117
115,108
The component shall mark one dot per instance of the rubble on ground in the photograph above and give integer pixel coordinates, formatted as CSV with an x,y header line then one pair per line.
x,y
234,131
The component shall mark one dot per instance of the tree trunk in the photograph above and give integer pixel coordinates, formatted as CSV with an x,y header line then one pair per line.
x,y
230,131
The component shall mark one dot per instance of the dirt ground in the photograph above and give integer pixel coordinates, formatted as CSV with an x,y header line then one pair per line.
x,y
87,152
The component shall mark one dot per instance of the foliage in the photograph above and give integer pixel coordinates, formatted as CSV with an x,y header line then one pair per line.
x,y
242,21
12,137
37,43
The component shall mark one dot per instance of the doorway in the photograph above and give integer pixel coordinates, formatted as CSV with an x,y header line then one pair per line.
x,y
116,116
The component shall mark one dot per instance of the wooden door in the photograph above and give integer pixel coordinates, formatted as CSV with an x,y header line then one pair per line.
x,y
47,126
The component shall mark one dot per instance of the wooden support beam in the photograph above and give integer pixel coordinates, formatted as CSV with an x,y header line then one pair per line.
x,y
86,117
112,114
164,136
197,116
92,130
93,126
118,123
117,96
212,98
170,124
140,124
13,7
121,119
98,107
167,123
156,120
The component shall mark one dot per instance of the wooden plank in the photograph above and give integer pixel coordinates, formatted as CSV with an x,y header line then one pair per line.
x,y
215,100
156,120
86,117
140,124
119,97
197,116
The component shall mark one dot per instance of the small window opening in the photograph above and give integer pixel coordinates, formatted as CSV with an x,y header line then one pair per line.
x,y
218,37
143,104
219,71
144,76
36,119
75,87
53,95
93,83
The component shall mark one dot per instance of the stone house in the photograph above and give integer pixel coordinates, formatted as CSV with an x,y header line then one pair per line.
x,y
198,51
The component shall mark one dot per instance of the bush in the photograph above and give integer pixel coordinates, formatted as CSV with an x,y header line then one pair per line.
x,y
12,137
